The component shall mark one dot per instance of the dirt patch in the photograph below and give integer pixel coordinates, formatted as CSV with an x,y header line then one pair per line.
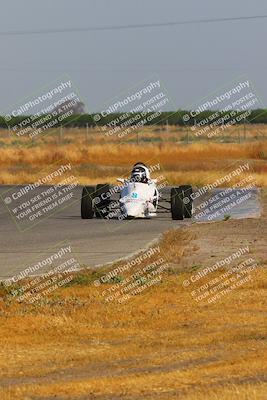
x,y
216,240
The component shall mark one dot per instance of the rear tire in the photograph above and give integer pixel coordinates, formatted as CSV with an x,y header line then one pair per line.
x,y
87,210
102,206
177,203
188,202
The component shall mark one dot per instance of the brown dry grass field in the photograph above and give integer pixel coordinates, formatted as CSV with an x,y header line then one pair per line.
x,y
160,344
95,159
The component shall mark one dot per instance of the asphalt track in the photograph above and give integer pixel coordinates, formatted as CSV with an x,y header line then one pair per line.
x,y
93,242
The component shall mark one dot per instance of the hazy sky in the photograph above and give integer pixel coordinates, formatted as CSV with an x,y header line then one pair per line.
x,y
191,60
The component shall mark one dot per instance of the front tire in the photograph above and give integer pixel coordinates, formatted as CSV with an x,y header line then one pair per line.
x,y
188,203
87,210
102,204
177,203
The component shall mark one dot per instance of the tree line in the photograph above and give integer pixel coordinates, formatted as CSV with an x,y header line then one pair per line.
x,y
180,118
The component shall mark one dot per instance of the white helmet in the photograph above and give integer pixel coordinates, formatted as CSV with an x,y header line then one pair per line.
x,y
140,173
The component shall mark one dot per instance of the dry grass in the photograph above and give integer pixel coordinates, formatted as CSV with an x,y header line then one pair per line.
x,y
161,344
95,160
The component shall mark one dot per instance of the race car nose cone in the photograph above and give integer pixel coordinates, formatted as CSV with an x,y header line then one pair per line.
x,y
134,210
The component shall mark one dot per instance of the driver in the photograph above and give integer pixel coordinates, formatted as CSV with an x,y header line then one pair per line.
x,y
139,175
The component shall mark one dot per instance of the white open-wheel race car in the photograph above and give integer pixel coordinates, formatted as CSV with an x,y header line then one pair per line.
x,y
135,197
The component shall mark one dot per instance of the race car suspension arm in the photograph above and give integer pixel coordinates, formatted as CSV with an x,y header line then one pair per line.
x,y
164,208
